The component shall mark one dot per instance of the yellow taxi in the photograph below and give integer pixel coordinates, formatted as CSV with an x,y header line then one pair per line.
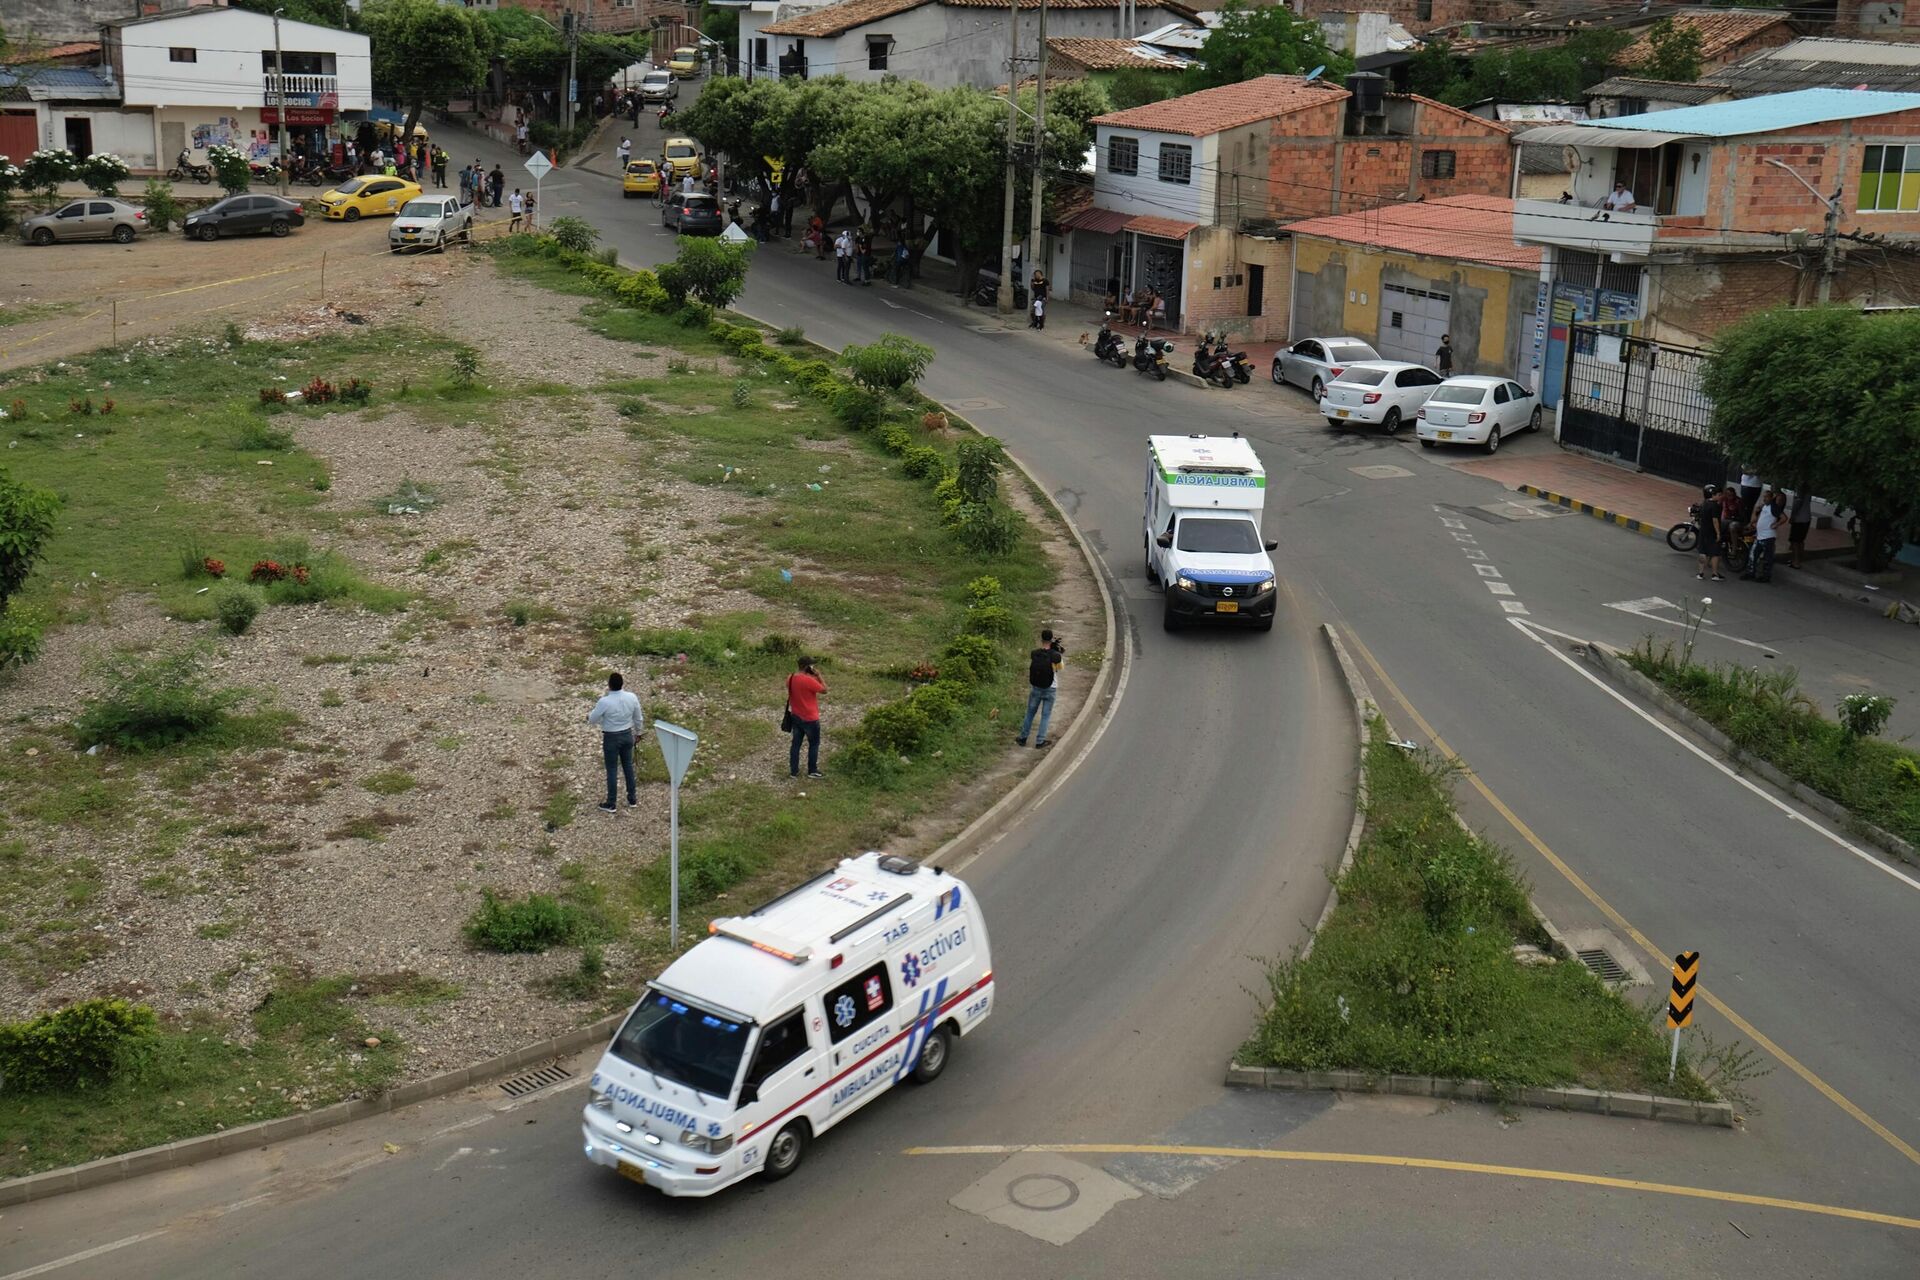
x,y
685,62
642,179
680,156
372,196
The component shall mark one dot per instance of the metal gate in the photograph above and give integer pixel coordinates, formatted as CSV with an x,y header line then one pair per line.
x,y
1640,402
1412,322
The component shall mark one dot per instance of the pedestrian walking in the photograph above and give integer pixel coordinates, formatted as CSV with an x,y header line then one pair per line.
x,y
843,257
440,168
1799,523
1767,518
1043,669
802,719
1039,318
617,717
520,137
1443,358
1706,520
1733,542
517,206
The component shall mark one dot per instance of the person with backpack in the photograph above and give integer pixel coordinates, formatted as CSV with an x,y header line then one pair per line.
x,y
1043,667
802,718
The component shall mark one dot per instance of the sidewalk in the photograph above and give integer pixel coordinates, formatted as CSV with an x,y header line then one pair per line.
x,y
1650,506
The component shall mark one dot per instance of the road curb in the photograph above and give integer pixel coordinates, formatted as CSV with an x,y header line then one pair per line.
x,y
1616,671
1633,1106
1588,509
1364,709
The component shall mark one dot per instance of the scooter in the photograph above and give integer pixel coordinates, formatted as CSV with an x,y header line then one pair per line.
x,y
1150,355
1209,363
1107,347
184,168
1236,362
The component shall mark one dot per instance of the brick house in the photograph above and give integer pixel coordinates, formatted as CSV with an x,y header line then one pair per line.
x,y
1192,196
1724,221
1726,35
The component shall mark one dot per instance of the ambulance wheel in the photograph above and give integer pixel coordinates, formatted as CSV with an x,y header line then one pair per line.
x,y
1169,621
788,1149
933,1056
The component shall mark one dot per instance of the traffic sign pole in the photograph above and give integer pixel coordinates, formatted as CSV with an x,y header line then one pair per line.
x,y
538,165
676,744
1686,976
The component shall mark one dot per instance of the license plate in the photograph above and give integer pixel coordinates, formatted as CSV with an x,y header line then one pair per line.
x,y
633,1172
1345,413
1226,606
1445,435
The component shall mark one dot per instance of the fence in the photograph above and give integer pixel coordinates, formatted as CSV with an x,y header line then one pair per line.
x,y
1640,402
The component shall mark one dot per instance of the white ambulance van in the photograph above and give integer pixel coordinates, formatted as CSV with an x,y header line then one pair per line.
x,y
785,1021
1204,499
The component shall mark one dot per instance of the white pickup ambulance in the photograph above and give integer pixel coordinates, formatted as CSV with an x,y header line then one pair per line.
x,y
785,1021
1202,531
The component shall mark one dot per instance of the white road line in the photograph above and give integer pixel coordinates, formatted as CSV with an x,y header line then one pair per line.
x,y
1641,608
1499,588
82,1256
1487,571
1530,631
1472,553
1513,606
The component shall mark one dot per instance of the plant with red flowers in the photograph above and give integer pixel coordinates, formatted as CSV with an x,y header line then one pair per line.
x,y
319,391
925,672
272,395
301,574
213,568
266,571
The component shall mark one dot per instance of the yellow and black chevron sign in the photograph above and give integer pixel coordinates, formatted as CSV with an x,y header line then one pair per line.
x,y
1686,975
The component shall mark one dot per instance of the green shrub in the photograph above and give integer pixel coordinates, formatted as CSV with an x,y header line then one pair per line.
x,y
946,492
939,702
533,923
987,530
26,521
708,871
162,209
260,437
152,703
235,606
990,619
466,366
576,234
791,336
896,727
857,408
977,466
777,645
1863,715
970,659
607,257
896,439
21,631
709,269
985,589
742,395
889,363
923,462
83,1044
519,612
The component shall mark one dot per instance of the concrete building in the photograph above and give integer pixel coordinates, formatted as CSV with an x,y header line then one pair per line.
x,y
1193,196
1877,19
942,43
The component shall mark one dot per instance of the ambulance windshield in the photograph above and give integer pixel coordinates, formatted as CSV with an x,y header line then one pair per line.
x,y
683,1043
1223,537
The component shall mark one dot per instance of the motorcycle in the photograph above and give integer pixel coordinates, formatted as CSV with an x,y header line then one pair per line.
x,y
1150,355
1107,347
1236,362
335,173
665,114
1210,364
184,168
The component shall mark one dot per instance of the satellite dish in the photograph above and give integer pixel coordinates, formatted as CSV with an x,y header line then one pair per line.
x,y
1315,73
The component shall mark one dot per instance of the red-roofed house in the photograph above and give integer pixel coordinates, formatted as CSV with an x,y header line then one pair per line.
x,y
1192,196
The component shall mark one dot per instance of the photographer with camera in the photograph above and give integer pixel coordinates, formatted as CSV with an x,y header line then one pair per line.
x,y
1043,667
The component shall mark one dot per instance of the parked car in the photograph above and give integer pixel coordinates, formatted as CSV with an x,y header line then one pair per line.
x,y
91,219
692,214
642,179
430,222
1314,362
680,156
659,86
1471,409
372,196
244,214
685,62
1387,393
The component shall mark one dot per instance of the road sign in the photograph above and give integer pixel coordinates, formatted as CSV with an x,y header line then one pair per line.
x,y
538,165
1686,974
735,234
677,745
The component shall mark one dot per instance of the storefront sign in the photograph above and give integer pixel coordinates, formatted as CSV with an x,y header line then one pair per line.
x,y
310,116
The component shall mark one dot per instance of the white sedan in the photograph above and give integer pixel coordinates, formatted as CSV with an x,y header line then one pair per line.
x,y
1314,362
1385,393
1471,409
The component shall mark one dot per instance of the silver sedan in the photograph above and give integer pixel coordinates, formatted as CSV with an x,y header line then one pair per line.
x,y
1314,362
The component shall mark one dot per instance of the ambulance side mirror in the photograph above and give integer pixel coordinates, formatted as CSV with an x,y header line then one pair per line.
x,y
749,1094
1273,546
1164,540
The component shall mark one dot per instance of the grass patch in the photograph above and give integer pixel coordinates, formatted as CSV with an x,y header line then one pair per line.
x,y
1766,715
390,782
1414,972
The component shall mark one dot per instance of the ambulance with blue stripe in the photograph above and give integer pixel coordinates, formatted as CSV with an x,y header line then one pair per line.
x,y
785,1021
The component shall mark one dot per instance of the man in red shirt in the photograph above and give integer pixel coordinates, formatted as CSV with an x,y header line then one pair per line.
x,y
804,688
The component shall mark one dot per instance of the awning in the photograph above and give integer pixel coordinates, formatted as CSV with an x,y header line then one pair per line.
x,y
1148,224
1590,135
1100,222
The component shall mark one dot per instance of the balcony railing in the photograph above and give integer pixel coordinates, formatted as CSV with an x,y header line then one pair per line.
x,y
304,90
1582,227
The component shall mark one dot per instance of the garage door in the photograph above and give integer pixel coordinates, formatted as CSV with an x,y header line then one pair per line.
x,y
1411,323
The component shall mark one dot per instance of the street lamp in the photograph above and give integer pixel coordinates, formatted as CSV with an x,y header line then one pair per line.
x,y
1830,235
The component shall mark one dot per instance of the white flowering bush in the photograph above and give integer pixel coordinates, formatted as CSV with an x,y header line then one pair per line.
x,y
103,172
44,171
230,167
1864,714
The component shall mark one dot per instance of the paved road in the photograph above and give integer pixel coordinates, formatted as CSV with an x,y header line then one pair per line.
x,y
1126,914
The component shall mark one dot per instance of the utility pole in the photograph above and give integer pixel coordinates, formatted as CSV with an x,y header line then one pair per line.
x,y
1829,235
279,103
571,25
1039,150
1005,299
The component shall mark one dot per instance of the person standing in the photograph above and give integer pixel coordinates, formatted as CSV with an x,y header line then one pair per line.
x,y
617,717
1043,668
517,206
1443,358
1766,531
497,181
520,137
804,688
466,186
440,168
863,254
1733,542
1706,520
773,212
902,265
1749,495
625,152
843,257
1039,318
1799,523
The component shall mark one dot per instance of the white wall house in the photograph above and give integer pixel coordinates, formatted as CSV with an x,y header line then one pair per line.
x,y
206,75
1168,175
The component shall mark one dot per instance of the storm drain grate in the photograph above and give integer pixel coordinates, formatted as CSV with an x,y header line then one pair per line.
x,y
539,1078
1603,964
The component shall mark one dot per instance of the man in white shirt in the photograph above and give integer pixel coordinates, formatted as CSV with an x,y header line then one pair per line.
x,y
1619,199
617,715
624,151
843,257
516,205
1766,536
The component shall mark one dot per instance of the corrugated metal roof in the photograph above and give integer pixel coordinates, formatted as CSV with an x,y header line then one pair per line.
x,y
1765,115
1692,94
1463,228
1825,63
1592,135
41,84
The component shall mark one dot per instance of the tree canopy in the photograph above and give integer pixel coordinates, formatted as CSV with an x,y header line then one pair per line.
x,y
325,13
1557,74
1676,52
1268,40
1826,399
425,52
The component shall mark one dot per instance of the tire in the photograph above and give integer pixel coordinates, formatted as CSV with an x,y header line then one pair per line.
x,y
1429,444
1334,423
352,215
123,234
1683,536
1169,621
174,175
786,1151
209,233
42,237
933,1056
1278,381
1266,624
1493,441
1533,420
440,245
203,177
279,227
1319,389
1391,422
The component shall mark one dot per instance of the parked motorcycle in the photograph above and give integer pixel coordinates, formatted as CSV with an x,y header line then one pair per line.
x,y
1151,355
184,168
1210,364
1107,347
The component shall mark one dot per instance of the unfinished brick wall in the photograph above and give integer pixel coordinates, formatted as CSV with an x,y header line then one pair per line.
x,y
1309,152
1745,193
1693,301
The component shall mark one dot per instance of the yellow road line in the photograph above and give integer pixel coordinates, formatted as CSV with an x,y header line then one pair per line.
x,y
1444,1166
1619,921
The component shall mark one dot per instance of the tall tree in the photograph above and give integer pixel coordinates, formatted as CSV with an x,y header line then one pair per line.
x,y
1268,40
1827,399
1676,52
324,13
425,52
